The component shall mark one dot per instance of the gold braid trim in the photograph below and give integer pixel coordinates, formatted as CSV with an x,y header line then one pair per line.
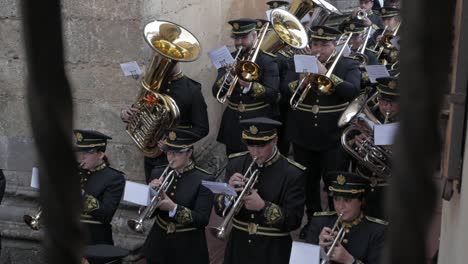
x,y
220,201
220,81
272,213
293,86
336,80
90,203
258,89
183,215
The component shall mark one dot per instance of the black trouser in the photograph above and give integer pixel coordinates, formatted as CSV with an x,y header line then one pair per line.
x,y
150,163
318,163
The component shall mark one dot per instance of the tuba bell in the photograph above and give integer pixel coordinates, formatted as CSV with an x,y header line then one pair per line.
x,y
235,204
361,121
170,44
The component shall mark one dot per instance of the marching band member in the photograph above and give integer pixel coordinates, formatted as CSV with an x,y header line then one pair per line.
x,y
249,99
358,39
312,127
371,20
191,103
363,239
273,208
178,234
102,188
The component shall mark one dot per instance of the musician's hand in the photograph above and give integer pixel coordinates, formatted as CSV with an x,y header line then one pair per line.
x,y
341,255
359,140
321,68
244,83
254,202
156,182
166,204
366,21
355,11
237,181
128,113
325,237
379,38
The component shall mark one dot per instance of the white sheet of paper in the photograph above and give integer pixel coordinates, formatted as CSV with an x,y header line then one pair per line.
x,y
219,187
346,51
35,178
130,68
305,63
385,134
268,14
304,253
221,57
376,71
396,42
137,193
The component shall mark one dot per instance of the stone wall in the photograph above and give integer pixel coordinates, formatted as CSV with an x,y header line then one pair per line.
x,y
98,36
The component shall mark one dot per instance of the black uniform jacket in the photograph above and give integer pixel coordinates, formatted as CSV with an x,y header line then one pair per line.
x,y
261,100
103,191
181,239
365,240
263,236
376,20
189,98
2,192
313,124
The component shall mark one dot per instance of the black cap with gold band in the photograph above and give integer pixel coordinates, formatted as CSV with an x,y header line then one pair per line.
x,y
259,130
261,22
179,140
346,184
387,12
388,88
87,140
355,27
325,33
243,26
276,4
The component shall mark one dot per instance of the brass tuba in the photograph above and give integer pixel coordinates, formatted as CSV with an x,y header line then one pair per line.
x,y
235,204
146,212
361,121
170,43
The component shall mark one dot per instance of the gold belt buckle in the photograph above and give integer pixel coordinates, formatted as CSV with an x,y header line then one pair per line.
x,y
252,227
171,228
315,109
241,107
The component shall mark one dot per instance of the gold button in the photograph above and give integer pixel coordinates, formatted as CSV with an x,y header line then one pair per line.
x,y
315,124
315,109
250,241
172,194
315,116
169,82
317,100
252,216
175,187
168,90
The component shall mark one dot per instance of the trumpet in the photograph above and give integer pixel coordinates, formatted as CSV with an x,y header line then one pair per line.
x,y
227,81
339,229
321,84
361,14
146,212
235,204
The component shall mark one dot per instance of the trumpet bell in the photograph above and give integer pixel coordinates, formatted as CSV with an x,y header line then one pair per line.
x,y
219,232
248,71
324,85
136,226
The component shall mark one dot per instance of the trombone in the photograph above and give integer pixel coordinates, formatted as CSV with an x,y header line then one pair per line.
x,y
235,204
227,80
360,55
321,84
146,212
340,230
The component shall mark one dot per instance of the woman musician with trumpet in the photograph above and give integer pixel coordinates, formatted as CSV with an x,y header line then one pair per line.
x,y
271,207
347,235
312,122
183,211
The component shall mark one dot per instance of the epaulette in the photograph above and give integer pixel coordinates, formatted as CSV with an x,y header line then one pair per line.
x,y
324,213
296,164
203,170
268,53
194,82
376,220
116,170
235,155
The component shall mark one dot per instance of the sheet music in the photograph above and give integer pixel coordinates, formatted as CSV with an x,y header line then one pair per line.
x,y
137,193
305,63
304,253
376,71
346,50
131,68
219,187
221,57
385,134
396,42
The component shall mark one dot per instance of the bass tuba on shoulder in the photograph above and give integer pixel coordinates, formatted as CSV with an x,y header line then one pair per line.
x,y
170,44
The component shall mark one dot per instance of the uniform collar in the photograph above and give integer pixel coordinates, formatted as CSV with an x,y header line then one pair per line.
x,y
355,222
177,76
100,166
274,158
189,167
